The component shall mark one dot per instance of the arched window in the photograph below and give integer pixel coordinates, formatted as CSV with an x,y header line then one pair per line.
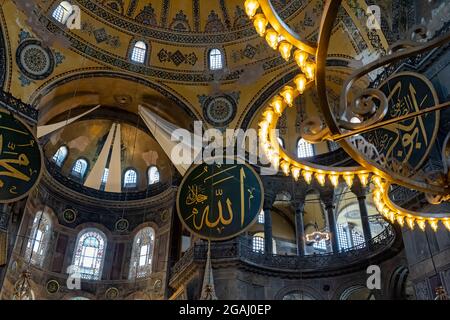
x,y
304,149
215,59
79,168
39,238
139,52
89,254
142,253
153,175
130,179
62,12
60,155
261,217
258,244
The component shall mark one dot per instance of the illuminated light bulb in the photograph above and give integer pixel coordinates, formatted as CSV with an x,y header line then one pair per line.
x,y
377,180
401,220
300,57
410,222
250,7
391,216
348,179
364,178
278,105
268,115
288,94
433,224
446,223
309,70
421,223
260,23
272,39
334,179
285,167
320,177
385,211
307,175
295,173
264,125
285,49
300,83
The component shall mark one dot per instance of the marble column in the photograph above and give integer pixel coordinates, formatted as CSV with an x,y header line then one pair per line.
x,y
360,193
327,199
269,199
299,227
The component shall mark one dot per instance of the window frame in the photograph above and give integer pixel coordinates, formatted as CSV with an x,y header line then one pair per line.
x,y
149,183
65,14
304,145
124,184
77,267
134,47
222,59
79,175
56,154
42,223
137,271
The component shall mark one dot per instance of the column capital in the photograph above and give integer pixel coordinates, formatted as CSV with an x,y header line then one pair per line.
x,y
359,190
327,197
269,199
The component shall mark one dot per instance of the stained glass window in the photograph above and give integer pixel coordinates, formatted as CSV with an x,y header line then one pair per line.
x,y
215,59
90,253
142,253
139,52
39,238
153,175
60,155
304,149
130,179
62,12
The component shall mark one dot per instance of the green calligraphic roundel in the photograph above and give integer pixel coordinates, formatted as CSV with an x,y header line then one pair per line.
x,y
20,158
406,143
220,201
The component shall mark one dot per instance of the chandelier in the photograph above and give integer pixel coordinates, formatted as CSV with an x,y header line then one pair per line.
x,y
373,168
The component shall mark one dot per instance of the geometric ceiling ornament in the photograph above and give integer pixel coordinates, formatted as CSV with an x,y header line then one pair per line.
x,y
34,61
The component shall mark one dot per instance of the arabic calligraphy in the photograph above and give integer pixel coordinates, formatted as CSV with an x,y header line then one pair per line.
x,y
20,159
406,143
219,201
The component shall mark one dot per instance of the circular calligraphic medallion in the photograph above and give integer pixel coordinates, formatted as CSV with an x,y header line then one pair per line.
x,y
20,158
405,145
220,201
122,225
69,215
52,286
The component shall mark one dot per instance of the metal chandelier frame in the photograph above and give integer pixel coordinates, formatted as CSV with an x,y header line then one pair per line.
x,y
311,59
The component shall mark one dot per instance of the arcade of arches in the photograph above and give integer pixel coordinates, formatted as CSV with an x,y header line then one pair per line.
x,y
101,95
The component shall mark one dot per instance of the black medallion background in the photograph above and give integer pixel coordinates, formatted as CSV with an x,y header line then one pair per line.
x,y
409,141
236,188
20,158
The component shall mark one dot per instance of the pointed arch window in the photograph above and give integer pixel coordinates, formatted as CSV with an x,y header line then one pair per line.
x,y
79,168
90,254
304,149
139,52
142,253
215,59
60,156
62,12
153,175
130,178
39,238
